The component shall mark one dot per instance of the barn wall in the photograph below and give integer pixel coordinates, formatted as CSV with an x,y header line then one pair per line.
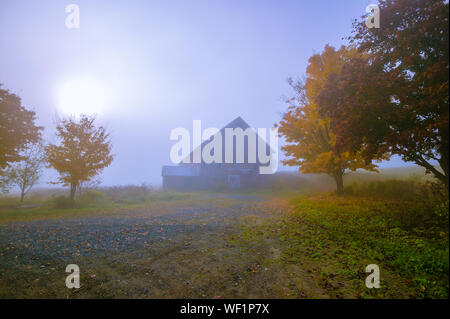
x,y
211,180
179,182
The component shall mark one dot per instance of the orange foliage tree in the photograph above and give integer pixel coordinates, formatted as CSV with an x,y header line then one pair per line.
x,y
83,152
311,143
17,128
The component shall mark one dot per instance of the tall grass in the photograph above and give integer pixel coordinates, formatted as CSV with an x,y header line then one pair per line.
x,y
387,189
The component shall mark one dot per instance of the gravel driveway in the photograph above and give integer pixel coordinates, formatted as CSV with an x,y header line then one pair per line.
x,y
104,235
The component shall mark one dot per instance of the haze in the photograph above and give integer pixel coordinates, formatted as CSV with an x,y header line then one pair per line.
x,y
164,64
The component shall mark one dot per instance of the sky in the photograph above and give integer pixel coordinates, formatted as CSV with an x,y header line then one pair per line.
x,y
159,65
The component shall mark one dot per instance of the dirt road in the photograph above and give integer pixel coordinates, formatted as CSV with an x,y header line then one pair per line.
x,y
191,251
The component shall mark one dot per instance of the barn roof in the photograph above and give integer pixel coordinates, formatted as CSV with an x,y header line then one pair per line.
x,y
236,123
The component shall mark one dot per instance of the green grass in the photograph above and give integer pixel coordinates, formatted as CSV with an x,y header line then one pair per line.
x,y
406,239
400,225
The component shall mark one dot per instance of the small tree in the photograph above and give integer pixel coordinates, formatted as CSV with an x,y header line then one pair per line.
x,y
26,173
83,152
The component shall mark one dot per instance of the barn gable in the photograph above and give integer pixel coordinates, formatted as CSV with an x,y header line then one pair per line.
x,y
236,123
206,175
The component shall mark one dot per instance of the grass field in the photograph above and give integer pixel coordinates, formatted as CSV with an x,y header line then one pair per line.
x,y
282,242
89,204
334,238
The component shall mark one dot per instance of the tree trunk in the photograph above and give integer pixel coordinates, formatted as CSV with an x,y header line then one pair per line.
x,y
444,166
443,149
338,177
441,176
22,195
73,189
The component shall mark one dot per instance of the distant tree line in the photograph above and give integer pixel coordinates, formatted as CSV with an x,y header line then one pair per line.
x,y
82,152
385,93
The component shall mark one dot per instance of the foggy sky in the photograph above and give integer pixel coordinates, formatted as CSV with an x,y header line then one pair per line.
x,y
165,64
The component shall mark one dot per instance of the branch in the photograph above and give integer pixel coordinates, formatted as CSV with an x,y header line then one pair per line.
x,y
420,161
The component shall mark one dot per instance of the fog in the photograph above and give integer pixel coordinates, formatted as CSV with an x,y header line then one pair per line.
x,y
164,64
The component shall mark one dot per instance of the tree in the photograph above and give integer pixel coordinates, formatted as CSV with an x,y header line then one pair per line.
x,y
26,173
400,94
83,152
311,142
17,128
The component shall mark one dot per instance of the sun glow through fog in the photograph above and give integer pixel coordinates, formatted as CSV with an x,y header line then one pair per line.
x,y
82,96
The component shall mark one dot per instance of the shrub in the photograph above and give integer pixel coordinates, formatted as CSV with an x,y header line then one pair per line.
x,y
129,193
389,189
91,196
63,202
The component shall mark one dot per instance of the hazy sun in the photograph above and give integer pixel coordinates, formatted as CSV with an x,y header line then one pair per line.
x,y
82,96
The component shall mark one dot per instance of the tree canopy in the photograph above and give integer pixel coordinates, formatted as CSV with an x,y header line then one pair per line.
x,y
17,128
84,150
312,144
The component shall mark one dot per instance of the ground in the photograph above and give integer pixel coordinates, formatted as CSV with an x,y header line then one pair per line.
x,y
209,246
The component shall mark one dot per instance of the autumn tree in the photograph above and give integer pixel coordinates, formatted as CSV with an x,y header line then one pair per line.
x,y
84,150
26,173
17,129
311,142
396,102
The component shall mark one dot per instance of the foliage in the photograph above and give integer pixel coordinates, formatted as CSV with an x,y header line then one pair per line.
x,y
312,144
396,102
17,130
83,152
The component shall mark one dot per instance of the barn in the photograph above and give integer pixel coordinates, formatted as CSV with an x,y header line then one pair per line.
x,y
217,176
